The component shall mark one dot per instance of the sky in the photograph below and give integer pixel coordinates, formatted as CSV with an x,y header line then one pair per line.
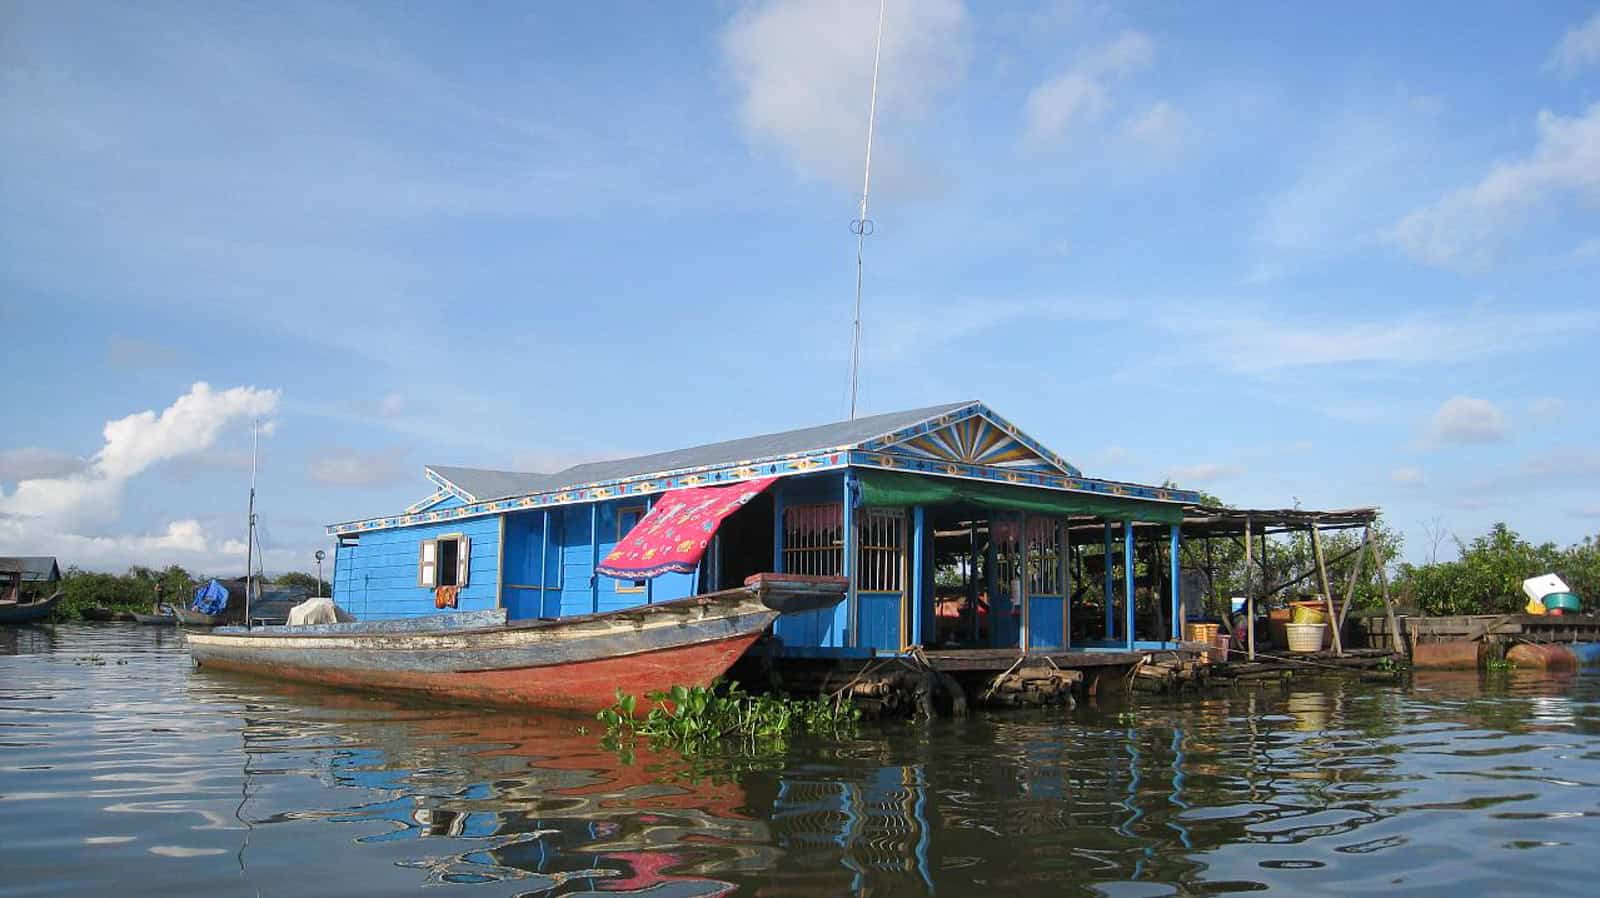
x,y
1334,258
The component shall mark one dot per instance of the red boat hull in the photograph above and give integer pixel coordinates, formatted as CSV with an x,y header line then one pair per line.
x,y
584,686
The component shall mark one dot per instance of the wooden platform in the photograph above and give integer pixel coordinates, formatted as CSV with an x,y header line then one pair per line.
x,y
999,660
1531,627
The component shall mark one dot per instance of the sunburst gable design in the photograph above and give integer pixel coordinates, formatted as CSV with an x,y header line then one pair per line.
x,y
976,440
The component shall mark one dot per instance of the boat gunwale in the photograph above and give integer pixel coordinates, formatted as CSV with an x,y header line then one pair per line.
x,y
764,585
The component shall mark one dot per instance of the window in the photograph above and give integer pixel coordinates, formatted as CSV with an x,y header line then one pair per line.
x,y
627,519
445,561
813,539
1044,557
883,551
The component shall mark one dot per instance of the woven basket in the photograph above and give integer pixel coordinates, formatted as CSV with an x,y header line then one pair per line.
x,y
1305,637
1200,632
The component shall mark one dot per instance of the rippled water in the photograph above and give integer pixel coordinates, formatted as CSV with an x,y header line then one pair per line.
x,y
125,771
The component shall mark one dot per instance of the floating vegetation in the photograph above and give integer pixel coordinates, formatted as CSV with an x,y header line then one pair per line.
x,y
697,719
1500,665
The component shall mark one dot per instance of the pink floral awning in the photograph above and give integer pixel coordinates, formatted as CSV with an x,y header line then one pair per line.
x,y
676,532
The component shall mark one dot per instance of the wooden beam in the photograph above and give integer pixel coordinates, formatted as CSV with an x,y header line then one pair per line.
x,y
1395,641
1327,591
1355,574
1249,596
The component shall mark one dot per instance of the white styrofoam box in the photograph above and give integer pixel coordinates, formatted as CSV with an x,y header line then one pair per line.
x,y
1537,588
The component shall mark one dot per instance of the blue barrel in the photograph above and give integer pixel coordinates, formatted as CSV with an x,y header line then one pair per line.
x,y
1588,653
1564,601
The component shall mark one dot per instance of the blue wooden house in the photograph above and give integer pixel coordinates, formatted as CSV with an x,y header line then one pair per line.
x,y
953,526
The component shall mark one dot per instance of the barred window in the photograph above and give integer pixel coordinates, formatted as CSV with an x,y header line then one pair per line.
x,y
1044,557
883,551
813,539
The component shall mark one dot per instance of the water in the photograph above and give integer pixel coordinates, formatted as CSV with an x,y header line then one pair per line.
x,y
123,771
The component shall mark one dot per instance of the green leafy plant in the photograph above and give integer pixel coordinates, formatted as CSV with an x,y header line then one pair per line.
x,y
1500,665
698,719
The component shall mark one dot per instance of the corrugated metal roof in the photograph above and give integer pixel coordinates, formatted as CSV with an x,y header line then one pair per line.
x,y
31,567
486,484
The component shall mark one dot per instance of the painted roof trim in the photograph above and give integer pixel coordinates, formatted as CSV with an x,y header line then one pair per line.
x,y
864,453
804,463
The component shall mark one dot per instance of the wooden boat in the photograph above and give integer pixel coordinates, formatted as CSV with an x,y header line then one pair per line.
x,y
20,612
571,663
189,617
21,583
164,617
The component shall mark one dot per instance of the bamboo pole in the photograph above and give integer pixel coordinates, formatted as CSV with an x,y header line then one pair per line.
x,y
1249,596
1355,574
1395,641
1327,590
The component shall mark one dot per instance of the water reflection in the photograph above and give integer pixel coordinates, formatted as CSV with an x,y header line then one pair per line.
x,y
121,769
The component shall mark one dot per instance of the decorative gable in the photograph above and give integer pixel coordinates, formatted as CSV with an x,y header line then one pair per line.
x,y
973,436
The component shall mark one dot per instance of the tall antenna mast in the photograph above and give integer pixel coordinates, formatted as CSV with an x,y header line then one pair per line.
x,y
862,226
250,531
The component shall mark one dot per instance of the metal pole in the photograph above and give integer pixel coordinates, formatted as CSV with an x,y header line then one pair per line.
x,y
250,527
862,225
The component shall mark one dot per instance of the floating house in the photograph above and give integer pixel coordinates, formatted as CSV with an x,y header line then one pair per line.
x,y
954,528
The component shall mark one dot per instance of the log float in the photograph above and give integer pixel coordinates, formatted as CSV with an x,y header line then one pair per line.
x,y
570,663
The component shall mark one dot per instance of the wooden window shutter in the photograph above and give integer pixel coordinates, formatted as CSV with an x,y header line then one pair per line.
x,y
463,560
428,563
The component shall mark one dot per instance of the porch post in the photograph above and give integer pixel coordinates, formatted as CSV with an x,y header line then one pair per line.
x,y
992,583
1111,595
544,563
919,559
777,527
1064,552
594,557
650,582
1127,576
850,559
1023,587
1174,543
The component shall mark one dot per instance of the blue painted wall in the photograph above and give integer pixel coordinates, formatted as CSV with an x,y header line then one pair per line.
x,y
376,579
826,627
581,591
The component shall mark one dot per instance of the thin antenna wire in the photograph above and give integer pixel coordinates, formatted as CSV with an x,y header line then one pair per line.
x,y
250,532
863,226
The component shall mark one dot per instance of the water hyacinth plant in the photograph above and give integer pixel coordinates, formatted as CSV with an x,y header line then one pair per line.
x,y
697,719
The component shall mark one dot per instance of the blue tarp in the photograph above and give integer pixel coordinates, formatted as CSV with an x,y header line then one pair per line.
x,y
211,598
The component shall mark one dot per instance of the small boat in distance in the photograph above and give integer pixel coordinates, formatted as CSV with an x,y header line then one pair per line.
x,y
20,605
163,615
568,663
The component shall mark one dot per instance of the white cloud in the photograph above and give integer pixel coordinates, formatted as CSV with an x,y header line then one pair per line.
x,y
346,466
1564,463
1463,227
1081,94
804,74
1160,126
1407,476
1268,341
1588,249
1205,472
188,427
391,405
1465,420
31,462
186,542
1546,408
1578,48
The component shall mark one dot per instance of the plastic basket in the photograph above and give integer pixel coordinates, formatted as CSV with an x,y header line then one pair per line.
x,y
1200,632
1305,637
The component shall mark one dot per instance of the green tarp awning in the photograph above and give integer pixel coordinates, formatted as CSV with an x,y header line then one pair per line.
x,y
886,488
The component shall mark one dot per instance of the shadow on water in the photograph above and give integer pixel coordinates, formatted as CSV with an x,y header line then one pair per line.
x,y
122,769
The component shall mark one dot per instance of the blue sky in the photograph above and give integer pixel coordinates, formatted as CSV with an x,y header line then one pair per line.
x,y
1340,258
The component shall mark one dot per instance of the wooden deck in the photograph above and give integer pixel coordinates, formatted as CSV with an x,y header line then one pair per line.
x,y
999,660
1528,627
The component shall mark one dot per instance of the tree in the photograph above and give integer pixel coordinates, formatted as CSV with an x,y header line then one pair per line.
x,y
301,581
